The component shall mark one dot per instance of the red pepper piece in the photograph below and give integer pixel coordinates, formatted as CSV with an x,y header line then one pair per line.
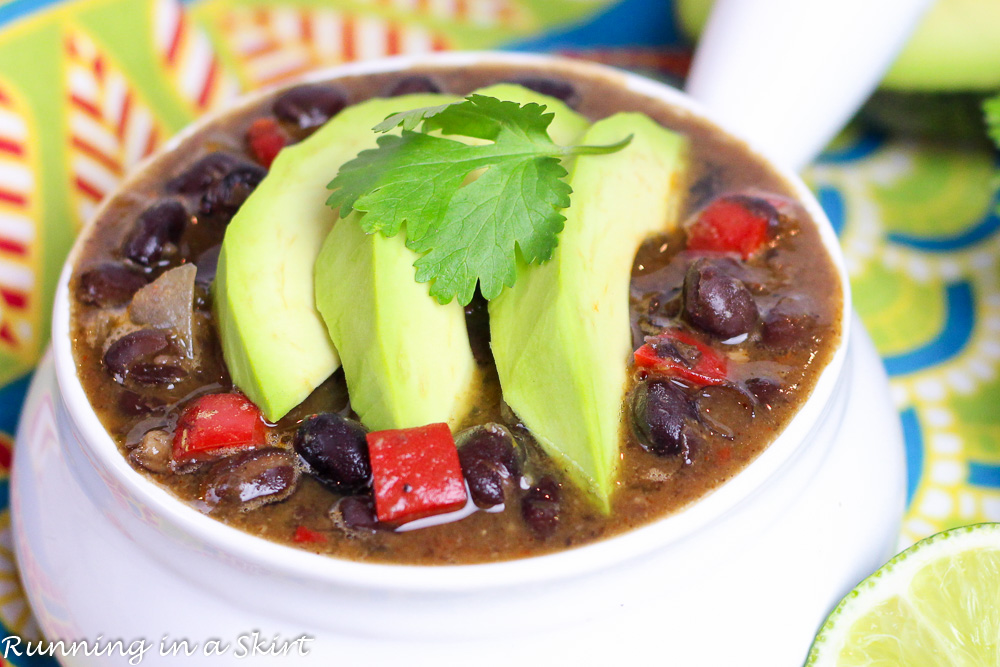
x,y
730,224
216,424
304,536
265,140
682,355
415,473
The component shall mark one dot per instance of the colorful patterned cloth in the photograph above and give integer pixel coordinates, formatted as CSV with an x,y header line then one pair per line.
x,y
89,87
920,229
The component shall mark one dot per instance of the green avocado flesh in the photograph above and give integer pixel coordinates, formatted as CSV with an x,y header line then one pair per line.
x,y
274,342
407,358
954,48
561,335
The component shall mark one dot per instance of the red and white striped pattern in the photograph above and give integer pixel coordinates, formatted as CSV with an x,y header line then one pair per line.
x,y
278,43
111,128
38,431
18,233
479,13
14,610
190,60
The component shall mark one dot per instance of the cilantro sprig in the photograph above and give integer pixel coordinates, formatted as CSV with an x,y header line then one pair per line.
x,y
466,231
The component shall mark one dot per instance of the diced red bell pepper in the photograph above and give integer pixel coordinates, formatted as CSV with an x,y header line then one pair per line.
x,y
265,139
216,424
305,536
697,363
415,472
730,224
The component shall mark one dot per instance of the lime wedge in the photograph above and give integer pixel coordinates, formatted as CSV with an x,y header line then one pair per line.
x,y
937,603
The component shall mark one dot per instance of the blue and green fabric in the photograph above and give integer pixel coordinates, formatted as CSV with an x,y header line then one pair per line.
x,y
921,233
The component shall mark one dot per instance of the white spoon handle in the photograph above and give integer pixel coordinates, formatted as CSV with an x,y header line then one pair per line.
x,y
788,74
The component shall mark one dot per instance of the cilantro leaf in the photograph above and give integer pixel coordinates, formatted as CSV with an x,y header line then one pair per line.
x,y
409,120
468,231
485,219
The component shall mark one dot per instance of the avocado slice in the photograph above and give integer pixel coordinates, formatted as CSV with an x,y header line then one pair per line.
x,y
561,336
275,344
407,358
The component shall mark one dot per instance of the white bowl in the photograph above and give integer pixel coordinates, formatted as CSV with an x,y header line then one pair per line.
x,y
751,569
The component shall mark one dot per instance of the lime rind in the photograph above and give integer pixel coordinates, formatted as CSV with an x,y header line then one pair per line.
x,y
893,580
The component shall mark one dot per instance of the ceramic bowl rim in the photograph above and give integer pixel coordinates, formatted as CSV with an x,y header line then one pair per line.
x,y
303,565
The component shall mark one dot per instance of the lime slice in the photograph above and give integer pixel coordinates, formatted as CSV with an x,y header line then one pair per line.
x,y
937,603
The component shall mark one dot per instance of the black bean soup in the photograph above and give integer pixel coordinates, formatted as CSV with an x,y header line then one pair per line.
x,y
770,318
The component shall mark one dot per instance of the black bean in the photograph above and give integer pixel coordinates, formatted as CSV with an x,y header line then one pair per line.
x,y
207,264
718,303
223,198
485,483
488,456
557,88
664,419
540,507
204,173
109,285
154,451
490,442
158,225
767,391
336,451
414,84
154,374
123,354
136,405
761,208
357,512
252,478
308,107
788,324
477,323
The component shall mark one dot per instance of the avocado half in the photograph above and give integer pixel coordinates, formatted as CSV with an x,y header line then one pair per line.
x,y
955,47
